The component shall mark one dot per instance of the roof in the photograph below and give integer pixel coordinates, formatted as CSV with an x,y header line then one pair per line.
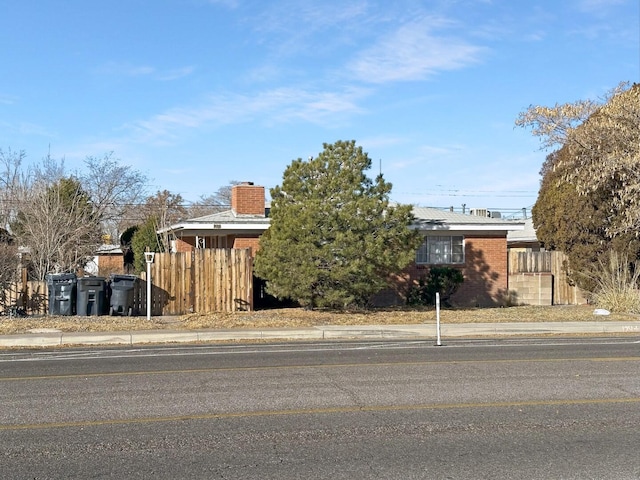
x,y
526,235
427,218
222,221
229,216
108,249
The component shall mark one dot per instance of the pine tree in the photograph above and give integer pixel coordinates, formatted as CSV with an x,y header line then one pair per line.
x,y
335,239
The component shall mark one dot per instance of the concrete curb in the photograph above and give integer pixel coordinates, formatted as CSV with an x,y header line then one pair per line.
x,y
328,332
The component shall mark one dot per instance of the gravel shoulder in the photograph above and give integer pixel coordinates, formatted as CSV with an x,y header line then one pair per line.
x,y
296,317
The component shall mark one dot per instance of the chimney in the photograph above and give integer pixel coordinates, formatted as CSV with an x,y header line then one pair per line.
x,y
247,199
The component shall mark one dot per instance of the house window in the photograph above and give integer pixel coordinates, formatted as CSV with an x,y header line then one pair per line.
x,y
441,249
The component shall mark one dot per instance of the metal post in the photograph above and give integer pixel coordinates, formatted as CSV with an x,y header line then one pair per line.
x,y
438,340
148,257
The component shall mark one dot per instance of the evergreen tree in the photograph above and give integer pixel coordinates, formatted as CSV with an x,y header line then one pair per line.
x,y
145,237
334,239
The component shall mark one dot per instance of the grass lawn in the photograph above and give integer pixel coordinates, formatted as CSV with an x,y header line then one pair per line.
x,y
296,317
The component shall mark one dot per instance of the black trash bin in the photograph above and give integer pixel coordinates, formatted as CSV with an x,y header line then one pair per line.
x,y
91,299
61,290
122,289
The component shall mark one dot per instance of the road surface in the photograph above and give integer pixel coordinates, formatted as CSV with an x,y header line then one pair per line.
x,y
509,409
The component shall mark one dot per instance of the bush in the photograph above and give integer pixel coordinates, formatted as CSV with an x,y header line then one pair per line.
x,y
442,280
616,284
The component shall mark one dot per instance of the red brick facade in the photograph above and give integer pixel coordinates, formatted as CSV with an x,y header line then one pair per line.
x,y
108,264
485,273
251,243
181,245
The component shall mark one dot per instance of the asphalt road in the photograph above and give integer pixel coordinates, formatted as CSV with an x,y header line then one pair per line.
x,y
510,409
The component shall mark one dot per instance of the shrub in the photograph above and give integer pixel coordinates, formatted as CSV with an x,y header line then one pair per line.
x,y
442,280
616,284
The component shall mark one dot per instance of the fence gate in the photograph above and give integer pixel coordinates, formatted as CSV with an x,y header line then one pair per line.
x,y
202,281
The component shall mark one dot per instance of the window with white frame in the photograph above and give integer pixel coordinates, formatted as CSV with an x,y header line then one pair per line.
x,y
441,249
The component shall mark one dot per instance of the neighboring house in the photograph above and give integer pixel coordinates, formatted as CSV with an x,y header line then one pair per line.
x,y
524,239
476,244
239,227
107,260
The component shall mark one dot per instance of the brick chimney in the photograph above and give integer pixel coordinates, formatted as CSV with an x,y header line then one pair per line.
x,y
247,199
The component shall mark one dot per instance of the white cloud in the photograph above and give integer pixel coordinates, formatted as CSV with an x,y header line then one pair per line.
x,y
414,52
176,73
274,106
125,69
307,17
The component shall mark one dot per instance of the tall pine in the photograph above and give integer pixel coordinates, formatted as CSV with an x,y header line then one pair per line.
x,y
335,239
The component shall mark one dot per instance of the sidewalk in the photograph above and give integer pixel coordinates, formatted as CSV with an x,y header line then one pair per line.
x,y
51,338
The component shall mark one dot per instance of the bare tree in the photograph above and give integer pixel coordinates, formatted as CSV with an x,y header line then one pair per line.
x,y
602,142
115,190
217,202
11,183
62,218
166,208
57,222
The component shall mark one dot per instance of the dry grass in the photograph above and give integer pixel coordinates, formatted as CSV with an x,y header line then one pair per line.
x,y
295,317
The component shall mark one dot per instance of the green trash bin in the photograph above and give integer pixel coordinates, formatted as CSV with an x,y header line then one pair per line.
x,y
91,297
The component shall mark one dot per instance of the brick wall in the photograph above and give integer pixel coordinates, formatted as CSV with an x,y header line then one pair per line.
x,y
108,264
247,199
251,243
185,245
485,273
531,288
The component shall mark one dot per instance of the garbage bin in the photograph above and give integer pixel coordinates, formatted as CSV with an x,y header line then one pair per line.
x,y
91,296
122,289
61,292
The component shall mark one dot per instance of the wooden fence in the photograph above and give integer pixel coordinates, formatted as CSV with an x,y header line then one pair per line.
x,y
203,281
530,262
31,296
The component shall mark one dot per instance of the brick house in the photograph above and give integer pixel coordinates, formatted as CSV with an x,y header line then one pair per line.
x,y
476,244
239,227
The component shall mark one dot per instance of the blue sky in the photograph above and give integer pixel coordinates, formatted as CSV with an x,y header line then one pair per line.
x,y
196,93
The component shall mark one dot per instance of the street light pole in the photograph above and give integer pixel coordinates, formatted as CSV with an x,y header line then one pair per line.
x,y
148,257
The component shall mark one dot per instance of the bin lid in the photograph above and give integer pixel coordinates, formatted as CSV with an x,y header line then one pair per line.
x,y
91,281
59,277
123,276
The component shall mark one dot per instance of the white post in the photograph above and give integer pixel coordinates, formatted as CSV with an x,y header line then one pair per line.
x,y
438,340
148,257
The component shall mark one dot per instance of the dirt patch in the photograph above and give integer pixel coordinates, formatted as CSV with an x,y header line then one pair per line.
x,y
296,317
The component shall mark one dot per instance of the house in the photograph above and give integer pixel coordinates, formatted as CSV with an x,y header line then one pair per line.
x,y
476,244
239,227
524,239
107,260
